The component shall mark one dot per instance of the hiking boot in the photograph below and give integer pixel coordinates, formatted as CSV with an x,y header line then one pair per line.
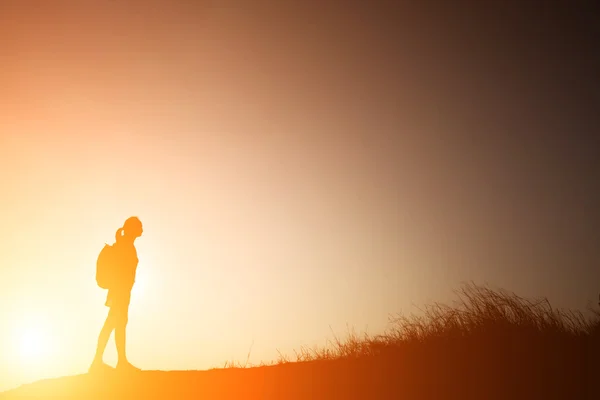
x,y
127,367
99,366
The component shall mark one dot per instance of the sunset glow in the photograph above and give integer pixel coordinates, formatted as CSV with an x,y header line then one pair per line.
x,y
32,342
33,345
299,170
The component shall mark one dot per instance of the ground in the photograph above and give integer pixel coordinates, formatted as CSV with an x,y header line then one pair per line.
x,y
493,345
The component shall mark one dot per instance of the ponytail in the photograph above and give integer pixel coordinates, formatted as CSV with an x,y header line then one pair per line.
x,y
131,227
119,234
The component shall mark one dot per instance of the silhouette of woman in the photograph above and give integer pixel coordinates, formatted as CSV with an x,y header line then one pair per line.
x,y
119,294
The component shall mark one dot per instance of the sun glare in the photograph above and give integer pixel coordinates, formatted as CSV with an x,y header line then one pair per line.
x,y
32,342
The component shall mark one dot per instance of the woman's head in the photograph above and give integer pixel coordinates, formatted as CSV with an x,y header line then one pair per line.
x,y
132,229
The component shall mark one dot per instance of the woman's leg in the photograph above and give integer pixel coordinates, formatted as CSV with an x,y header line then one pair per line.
x,y
103,337
120,340
121,337
121,318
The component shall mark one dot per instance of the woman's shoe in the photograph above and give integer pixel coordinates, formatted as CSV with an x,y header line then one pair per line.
x,y
127,367
99,366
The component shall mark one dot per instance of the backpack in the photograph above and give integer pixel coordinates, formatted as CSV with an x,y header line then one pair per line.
x,y
105,266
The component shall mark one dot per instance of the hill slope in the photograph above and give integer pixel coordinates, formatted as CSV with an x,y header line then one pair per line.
x,y
289,381
492,345
350,379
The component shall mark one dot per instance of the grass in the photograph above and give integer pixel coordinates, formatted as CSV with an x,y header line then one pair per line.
x,y
488,344
479,316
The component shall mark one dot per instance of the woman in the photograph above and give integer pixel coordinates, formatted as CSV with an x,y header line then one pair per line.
x,y
120,293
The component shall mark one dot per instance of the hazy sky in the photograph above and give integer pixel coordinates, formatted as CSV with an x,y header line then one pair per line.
x,y
298,169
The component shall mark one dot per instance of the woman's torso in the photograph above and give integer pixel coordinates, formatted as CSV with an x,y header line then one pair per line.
x,y
127,266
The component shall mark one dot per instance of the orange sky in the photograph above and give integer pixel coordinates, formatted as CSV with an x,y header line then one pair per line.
x,y
295,174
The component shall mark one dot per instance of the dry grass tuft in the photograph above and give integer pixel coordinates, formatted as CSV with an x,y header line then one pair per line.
x,y
480,315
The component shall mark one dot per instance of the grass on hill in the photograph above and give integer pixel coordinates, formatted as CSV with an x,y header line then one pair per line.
x,y
489,344
481,316
488,341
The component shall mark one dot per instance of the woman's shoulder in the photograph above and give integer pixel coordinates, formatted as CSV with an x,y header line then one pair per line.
x,y
128,248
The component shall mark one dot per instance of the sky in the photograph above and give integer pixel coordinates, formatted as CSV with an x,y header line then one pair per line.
x,y
300,170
